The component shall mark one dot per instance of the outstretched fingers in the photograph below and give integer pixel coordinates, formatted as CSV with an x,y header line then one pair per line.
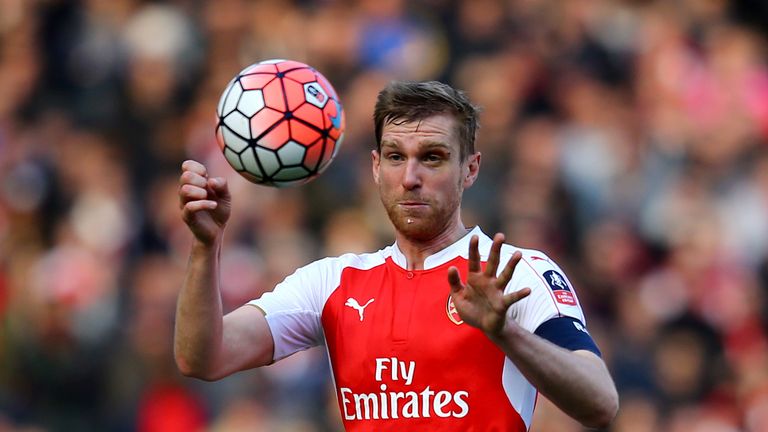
x,y
454,280
494,257
509,269
512,298
474,255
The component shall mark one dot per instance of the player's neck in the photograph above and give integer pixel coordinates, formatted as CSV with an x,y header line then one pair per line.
x,y
416,251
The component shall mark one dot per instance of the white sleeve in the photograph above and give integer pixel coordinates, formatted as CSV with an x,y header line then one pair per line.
x,y
552,294
294,307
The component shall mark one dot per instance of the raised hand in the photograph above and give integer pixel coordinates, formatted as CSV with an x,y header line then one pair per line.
x,y
205,202
481,302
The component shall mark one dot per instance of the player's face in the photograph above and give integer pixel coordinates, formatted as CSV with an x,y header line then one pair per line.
x,y
421,176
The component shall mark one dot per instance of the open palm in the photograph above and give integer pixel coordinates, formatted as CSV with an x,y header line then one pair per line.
x,y
481,301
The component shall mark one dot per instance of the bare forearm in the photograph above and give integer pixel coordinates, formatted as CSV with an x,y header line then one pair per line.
x,y
199,319
578,383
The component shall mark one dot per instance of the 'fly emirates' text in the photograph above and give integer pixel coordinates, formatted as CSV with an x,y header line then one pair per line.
x,y
409,404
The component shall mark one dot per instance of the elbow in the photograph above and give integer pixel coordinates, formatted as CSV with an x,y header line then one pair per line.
x,y
186,369
602,416
599,420
190,371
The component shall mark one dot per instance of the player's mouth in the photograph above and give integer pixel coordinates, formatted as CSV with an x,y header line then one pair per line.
x,y
412,204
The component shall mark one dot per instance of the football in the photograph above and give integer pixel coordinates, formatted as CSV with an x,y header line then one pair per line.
x,y
280,123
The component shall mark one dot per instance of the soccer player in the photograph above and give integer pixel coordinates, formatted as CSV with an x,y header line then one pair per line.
x,y
445,330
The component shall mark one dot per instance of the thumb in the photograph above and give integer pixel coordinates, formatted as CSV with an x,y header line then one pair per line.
x,y
220,187
514,297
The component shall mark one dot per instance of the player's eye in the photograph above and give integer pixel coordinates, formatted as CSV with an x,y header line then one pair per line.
x,y
433,158
394,157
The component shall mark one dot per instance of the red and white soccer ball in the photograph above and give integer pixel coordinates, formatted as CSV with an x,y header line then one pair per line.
x,y
280,123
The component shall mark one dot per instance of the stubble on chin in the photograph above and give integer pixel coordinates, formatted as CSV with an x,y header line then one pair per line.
x,y
412,227
420,227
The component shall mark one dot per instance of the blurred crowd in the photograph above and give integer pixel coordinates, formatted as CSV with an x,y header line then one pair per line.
x,y
628,139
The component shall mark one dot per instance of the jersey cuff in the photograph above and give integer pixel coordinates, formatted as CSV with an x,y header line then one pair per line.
x,y
568,333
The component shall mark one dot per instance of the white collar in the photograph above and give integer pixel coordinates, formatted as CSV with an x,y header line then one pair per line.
x,y
458,248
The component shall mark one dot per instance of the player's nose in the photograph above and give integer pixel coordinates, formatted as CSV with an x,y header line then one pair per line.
x,y
412,174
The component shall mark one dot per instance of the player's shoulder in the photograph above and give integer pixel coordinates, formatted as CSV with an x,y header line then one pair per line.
x,y
328,271
360,261
536,258
529,255
532,260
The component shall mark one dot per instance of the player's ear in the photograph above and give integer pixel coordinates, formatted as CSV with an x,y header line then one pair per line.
x,y
471,169
375,163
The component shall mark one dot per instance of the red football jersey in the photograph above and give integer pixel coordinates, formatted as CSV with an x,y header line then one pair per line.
x,y
401,357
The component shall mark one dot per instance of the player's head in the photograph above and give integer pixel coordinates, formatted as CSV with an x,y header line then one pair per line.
x,y
425,156
408,101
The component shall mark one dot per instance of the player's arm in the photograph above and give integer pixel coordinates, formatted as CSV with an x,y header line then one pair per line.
x,y
208,345
576,381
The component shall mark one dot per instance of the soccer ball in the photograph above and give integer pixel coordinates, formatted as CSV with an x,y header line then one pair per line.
x,y
280,123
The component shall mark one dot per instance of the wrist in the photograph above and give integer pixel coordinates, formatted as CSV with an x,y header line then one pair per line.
x,y
509,333
200,247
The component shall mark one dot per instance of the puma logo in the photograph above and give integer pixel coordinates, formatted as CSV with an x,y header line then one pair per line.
x,y
356,306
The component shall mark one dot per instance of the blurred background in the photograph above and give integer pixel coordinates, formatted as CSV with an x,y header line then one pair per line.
x,y
627,139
